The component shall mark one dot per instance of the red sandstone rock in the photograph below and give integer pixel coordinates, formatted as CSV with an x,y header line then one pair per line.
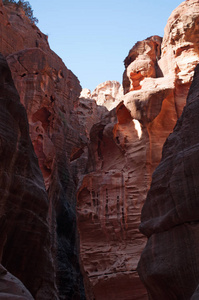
x,y
106,219
141,62
49,92
125,147
88,111
123,153
18,33
169,263
25,236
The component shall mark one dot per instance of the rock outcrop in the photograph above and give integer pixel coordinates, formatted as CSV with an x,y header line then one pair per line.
x,y
25,248
169,265
49,92
125,148
141,63
108,94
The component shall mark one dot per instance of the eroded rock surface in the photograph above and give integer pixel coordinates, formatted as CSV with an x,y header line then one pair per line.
x,y
141,63
49,92
108,94
117,151
169,265
124,150
108,208
25,248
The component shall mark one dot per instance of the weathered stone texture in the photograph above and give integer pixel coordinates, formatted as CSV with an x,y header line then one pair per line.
x,y
49,92
111,154
25,236
106,219
108,94
169,263
125,150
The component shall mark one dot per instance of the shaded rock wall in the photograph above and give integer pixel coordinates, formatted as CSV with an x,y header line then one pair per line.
x,y
25,248
11,288
169,263
49,92
106,219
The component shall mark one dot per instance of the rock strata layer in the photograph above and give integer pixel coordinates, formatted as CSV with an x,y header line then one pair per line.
x,y
169,264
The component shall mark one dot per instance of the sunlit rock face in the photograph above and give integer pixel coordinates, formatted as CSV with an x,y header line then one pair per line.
x,y
180,50
89,113
49,92
141,63
18,33
85,93
170,79
26,245
169,265
125,148
108,94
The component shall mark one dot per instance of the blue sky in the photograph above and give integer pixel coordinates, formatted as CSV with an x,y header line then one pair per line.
x,y
94,37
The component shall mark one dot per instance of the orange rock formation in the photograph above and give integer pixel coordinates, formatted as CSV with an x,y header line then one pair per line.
x,y
169,263
110,152
125,148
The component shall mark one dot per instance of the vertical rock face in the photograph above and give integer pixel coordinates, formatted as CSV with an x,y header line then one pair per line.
x,y
49,92
107,220
125,148
25,248
169,264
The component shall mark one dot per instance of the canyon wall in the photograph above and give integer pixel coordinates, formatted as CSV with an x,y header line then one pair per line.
x,y
49,93
106,143
25,248
169,263
125,148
